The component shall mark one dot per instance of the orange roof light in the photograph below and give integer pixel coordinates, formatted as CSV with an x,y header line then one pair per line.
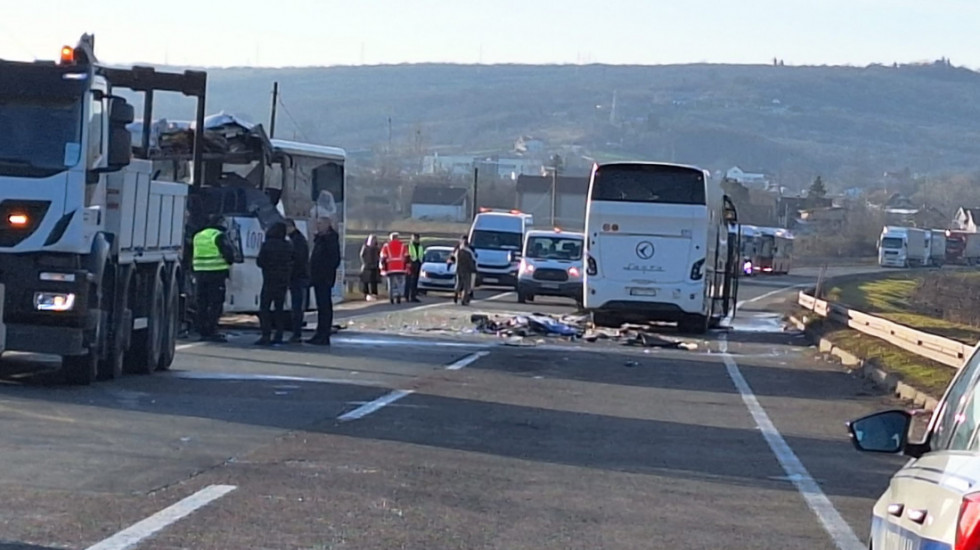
x,y
67,55
17,220
515,212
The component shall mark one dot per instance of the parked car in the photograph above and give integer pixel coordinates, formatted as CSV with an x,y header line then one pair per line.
x,y
934,500
435,273
551,265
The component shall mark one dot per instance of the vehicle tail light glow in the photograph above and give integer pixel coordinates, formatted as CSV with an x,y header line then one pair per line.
x,y
574,272
968,525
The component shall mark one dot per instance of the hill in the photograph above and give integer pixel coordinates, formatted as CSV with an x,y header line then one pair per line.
x,y
849,124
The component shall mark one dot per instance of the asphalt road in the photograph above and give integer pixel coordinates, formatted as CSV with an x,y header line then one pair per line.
x,y
391,440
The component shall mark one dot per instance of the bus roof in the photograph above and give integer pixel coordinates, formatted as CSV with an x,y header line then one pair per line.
x,y
308,149
648,163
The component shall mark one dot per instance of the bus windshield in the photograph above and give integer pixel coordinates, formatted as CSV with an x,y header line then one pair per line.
x,y
649,183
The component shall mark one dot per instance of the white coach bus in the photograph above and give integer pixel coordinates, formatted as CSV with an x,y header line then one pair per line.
x,y
662,244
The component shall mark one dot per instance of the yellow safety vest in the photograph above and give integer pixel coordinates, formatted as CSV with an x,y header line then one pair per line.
x,y
415,252
207,255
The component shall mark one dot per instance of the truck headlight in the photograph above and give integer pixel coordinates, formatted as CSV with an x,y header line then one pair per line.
x,y
54,301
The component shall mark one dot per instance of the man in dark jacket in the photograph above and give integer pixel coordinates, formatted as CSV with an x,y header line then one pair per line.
x,y
212,256
299,283
465,259
323,275
276,262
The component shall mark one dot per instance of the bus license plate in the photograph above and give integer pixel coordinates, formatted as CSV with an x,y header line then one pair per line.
x,y
643,292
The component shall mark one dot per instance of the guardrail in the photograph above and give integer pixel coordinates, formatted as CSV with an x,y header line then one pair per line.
x,y
941,350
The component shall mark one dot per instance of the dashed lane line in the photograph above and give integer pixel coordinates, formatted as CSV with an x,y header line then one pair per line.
x,y
374,406
468,360
131,536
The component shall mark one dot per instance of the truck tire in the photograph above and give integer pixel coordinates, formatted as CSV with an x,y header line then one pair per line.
x,y
143,355
114,304
80,370
170,321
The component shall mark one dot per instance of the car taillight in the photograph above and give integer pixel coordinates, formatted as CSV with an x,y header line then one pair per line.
x,y
574,272
591,267
968,526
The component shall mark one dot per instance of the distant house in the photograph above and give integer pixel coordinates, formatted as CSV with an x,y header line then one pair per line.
x,y
534,197
751,180
966,219
440,203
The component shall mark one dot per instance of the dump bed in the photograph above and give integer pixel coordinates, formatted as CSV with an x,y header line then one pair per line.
x,y
146,216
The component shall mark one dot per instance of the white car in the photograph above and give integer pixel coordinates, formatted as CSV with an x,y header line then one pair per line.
x,y
435,273
551,265
934,500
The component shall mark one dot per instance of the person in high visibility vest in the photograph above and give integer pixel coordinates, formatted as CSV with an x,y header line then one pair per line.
x,y
394,266
211,264
415,252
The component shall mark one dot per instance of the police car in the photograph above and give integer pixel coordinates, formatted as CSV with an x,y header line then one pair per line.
x,y
435,274
934,500
551,265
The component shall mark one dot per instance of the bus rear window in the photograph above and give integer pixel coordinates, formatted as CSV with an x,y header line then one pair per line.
x,y
649,183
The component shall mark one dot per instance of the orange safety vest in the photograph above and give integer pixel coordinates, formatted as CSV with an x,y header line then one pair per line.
x,y
394,258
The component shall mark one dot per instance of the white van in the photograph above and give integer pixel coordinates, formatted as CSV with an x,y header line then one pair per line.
x,y
497,237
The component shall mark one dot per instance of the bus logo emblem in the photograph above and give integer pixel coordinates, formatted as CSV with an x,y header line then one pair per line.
x,y
644,250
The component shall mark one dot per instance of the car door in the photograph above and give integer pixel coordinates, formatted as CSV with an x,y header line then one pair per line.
x,y
920,509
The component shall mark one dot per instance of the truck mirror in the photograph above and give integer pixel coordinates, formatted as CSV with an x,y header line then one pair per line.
x,y
120,112
120,147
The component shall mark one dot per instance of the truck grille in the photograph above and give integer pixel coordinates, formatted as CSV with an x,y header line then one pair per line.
x,y
550,274
11,235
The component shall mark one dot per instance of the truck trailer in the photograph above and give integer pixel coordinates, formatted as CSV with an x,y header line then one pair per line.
x,y
91,241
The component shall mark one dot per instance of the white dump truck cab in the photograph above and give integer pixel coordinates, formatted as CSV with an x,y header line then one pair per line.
x,y
89,243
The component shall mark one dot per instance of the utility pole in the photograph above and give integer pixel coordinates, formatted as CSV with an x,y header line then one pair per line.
x,y
476,180
275,102
555,164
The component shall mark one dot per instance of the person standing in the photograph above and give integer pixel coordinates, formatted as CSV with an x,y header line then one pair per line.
x,y
415,253
212,256
276,262
324,263
299,282
465,259
394,265
370,268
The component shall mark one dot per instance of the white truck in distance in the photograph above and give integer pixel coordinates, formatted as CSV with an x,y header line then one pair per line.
x,y
497,237
903,247
90,244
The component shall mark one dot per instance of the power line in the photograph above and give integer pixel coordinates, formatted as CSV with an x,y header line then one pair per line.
x,y
293,119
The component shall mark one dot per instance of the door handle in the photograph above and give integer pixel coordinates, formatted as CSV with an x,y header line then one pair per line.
x,y
896,509
918,516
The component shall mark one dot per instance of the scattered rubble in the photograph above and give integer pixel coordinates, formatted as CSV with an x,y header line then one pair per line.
x,y
518,329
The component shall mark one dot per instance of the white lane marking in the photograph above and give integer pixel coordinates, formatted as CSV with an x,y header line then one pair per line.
x,y
838,529
468,360
768,294
250,377
373,406
131,536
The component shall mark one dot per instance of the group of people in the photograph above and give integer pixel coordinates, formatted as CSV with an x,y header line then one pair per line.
x,y
401,265
287,264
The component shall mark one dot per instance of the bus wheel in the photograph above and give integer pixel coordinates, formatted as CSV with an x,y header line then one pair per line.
x,y
693,324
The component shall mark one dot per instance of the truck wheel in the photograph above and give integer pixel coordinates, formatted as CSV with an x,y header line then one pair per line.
x,y
170,321
114,303
143,356
80,370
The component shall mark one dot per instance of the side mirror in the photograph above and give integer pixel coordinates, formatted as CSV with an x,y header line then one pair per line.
x,y
882,432
120,140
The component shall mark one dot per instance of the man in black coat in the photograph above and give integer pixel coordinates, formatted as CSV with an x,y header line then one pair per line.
x,y
323,275
299,283
276,262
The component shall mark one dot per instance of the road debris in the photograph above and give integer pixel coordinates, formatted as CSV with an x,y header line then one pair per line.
x,y
518,327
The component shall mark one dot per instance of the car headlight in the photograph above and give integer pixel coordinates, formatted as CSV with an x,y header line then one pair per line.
x,y
54,301
424,274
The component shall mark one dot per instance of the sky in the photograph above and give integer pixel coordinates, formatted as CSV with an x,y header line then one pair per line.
x,y
221,33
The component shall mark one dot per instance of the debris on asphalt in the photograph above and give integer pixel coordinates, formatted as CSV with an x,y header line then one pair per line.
x,y
571,327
